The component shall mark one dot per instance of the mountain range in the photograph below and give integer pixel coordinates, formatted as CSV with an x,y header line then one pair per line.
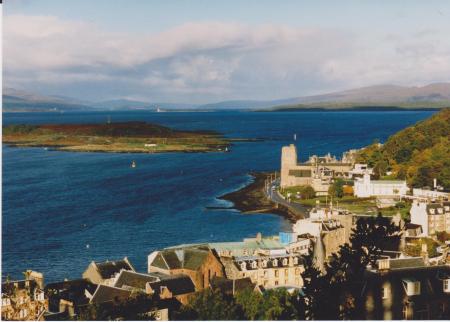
x,y
435,95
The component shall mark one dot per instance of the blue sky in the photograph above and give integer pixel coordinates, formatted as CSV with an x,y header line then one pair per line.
x,y
205,51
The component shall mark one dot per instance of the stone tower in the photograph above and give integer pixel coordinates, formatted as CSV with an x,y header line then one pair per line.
x,y
288,161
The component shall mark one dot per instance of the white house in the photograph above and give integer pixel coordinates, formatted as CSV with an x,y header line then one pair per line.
x,y
365,187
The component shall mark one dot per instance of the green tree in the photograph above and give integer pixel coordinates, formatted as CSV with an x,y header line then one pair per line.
x,y
337,188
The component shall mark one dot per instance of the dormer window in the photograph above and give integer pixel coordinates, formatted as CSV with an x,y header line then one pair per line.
x,y
264,263
295,260
440,210
447,285
412,286
275,262
285,261
447,208
243,265
432,211
254,264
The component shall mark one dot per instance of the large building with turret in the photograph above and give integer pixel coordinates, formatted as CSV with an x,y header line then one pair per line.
x,y
317,172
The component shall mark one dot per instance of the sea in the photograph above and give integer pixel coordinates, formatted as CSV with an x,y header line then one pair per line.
x,y
62,210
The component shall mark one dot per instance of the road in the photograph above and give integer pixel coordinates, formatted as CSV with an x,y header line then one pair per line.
x,y
275,196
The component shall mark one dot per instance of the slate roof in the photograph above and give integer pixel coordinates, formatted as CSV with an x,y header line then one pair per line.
x,y
130,279
188,258
225,285
403,263
108,294
110,268
248,246
73,291
177,285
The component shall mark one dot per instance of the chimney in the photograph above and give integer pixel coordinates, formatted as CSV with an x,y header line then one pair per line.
x,y
424,252
258,237
383,264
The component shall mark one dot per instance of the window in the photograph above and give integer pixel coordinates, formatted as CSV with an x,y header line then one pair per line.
x,y
5,301
264,263
277,273
297,271
243,266
286,272
265,273
295,260
447,285
385,292
276,283
405,312
412,287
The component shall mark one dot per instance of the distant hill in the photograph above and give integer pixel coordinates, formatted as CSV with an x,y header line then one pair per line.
x,y
373,97
418,153
126,104
22,101
431,96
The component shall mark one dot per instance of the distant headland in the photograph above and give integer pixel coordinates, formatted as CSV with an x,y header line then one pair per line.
x,y
133,137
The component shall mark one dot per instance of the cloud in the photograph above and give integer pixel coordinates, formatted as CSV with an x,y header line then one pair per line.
x,y
209,61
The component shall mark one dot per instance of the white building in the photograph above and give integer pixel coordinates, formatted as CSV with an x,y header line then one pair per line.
x,y
359,169
430,194
365,187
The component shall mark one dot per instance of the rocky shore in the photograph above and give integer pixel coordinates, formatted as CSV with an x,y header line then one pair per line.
x,y
253,199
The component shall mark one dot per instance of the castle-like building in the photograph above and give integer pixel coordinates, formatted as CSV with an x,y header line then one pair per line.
x,y
316,172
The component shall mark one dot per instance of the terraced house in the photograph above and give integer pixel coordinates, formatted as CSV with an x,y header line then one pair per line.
x,y
24,299
406,289
265,261
433,217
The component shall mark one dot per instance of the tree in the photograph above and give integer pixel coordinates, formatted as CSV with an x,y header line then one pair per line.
x,y
338,289
337,188
212,305
307,192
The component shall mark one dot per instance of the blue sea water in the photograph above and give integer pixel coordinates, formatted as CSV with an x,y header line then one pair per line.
x,y
56,203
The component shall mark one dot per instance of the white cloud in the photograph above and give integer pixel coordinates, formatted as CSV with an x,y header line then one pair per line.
x,y
214,60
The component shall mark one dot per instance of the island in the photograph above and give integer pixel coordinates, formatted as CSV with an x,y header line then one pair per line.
x,y
120,137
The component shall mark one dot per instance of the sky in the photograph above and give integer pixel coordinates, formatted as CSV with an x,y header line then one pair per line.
x,y
198,51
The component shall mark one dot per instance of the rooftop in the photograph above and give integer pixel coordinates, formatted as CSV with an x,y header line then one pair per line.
x,y
130,279
105,294
177,285
110,268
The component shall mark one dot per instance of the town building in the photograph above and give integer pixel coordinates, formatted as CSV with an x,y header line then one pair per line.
x,y
67,298
134,281
365,187
24,299
266,261
327,232
430,194
405,289
231,287
433,217
198,262
317,172
106,272
179,287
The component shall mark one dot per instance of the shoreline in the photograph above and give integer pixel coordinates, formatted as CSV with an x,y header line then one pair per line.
x,y
252,199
